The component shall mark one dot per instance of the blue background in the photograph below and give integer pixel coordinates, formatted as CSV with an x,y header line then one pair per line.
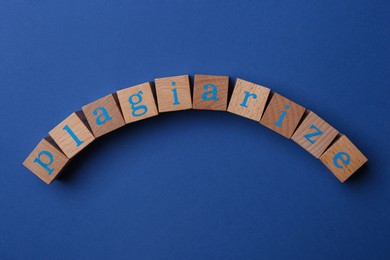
x,y
194,184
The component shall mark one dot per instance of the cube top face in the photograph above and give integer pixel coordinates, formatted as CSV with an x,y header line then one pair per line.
x,y
72,135
210,92
314,134
46,161
248,100
173,93
343,158
103,115
282,115
137,102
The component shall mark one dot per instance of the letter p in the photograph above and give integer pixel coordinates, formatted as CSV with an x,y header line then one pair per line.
x,y
45,164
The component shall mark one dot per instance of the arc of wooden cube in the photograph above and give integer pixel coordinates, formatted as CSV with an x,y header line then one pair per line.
x,y
210,92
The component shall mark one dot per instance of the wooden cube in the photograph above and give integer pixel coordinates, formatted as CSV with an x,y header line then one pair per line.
x,y
103,115
73,134
248,100
173,93
343,158
46,161
314,134
210,92
137,102
282,115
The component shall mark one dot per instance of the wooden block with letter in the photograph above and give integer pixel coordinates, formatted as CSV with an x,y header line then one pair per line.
x,y
73,134
314,134
210,92
343,158
282,115
46,161
248,100
103,115
173,93
137,102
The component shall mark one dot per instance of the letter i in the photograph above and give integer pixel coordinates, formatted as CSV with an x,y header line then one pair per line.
x,y
279,122
175,98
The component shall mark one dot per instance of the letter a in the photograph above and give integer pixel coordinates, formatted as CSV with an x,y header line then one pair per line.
x,y
103,117
212,92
